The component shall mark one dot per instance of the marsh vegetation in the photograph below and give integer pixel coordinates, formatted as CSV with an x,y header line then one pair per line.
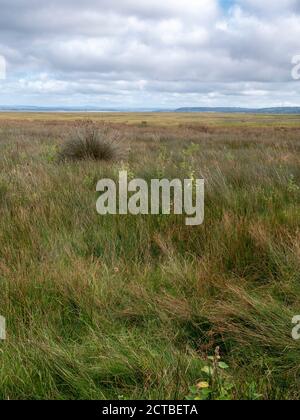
x,y
133,306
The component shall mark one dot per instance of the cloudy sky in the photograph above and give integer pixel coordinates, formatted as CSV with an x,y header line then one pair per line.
x,y
158,53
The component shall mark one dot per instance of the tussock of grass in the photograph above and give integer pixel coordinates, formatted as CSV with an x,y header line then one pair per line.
x,y
87,141
130,307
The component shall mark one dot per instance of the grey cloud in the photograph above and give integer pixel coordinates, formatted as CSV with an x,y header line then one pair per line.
x,y
160,52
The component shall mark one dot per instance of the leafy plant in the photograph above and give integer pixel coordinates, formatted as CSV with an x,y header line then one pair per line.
x,y
216,383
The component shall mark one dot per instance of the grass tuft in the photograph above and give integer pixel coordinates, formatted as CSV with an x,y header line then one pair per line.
x,y
89,141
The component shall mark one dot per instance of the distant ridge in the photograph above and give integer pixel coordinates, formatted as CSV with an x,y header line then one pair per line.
x,y
276,110
228,110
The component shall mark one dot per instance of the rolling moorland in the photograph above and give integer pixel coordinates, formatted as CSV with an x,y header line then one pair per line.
x,y
123,307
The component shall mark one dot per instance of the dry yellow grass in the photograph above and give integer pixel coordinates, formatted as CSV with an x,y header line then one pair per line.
x,y
169,119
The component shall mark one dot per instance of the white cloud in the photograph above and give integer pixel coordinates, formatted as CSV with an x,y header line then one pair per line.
x,y
150,53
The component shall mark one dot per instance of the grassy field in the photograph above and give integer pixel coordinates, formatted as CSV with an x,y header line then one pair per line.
x,y
160,119
122,307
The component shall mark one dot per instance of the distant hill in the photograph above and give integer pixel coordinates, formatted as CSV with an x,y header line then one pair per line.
x,y
229,110
276,110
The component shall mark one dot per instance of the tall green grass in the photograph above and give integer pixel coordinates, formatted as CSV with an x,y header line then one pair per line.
x,y
131,306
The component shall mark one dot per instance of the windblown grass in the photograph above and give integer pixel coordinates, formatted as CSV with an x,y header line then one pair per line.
x,y
130,307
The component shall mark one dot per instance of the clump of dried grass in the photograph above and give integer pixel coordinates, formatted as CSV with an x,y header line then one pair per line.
x,y
89,141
